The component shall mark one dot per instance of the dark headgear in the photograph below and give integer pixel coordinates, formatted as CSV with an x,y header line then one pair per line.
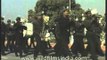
x,y
18,18
39,14
2,18
9,20
80,16
66,10
88,12
96,16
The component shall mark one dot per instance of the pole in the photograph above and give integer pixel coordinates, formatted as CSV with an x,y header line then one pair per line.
x,y
69,4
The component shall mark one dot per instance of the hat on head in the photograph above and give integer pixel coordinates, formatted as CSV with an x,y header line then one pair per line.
x,y
8,20
66,10
2,18
18,18
88,12
39,14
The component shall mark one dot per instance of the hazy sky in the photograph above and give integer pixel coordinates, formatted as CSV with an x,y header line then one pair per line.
x,y
98,4
13,8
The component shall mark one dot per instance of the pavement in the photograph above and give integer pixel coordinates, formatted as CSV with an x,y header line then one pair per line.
x,y
11,56
30,57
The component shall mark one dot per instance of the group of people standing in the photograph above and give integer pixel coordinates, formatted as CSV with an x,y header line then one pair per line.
x,y
12,33
63,28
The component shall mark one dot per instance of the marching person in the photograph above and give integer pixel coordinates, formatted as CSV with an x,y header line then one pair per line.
x,y
38,26
93,34
19,45
10,35
78,45
98,31
62,32
3,35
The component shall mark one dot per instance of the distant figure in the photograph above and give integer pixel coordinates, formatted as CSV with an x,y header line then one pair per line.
x,y
62,32
93,35
3,35
78,45
28,36
10,35
37,28
19,45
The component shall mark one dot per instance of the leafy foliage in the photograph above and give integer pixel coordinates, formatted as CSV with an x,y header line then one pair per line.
x,y
52,8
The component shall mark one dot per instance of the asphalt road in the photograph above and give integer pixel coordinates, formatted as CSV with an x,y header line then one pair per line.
x,y
11,56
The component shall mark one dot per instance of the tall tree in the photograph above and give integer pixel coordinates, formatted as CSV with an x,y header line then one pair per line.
x,y
53,7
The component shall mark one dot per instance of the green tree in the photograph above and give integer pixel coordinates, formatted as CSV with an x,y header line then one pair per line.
x,y
52,8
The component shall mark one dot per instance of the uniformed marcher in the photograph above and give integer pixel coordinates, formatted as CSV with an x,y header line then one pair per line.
x,y
31,20
78,33
10,35
19,45
98,30
62,32
3,35
93,34
38,26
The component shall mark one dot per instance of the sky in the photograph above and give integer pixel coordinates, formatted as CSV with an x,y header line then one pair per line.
x,y
10,9
93,4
